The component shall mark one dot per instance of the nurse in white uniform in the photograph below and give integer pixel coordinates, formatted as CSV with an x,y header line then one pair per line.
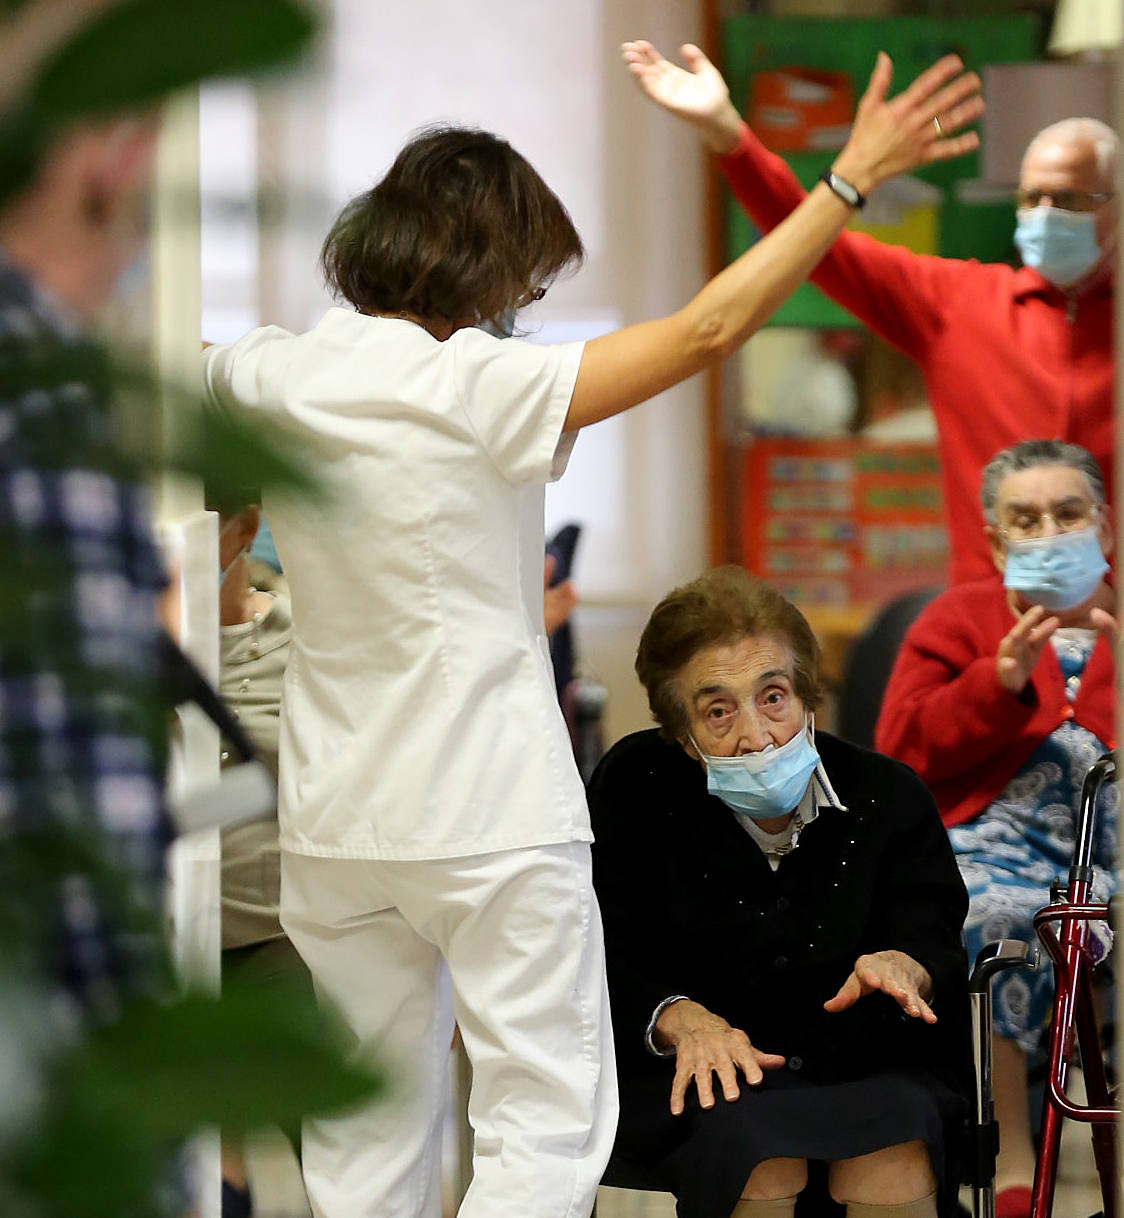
x,y
434,829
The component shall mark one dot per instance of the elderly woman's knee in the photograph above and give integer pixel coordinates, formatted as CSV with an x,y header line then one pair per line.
x,y
891,1176
776,1178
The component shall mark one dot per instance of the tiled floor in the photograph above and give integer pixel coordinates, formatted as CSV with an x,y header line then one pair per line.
x,y
1077,1196
278,1192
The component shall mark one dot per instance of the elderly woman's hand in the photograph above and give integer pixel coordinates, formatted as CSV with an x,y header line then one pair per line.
x,y
705,1044
1108,625
1022,646
895,974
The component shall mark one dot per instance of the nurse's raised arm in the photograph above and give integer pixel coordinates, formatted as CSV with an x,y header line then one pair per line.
x,y
889,136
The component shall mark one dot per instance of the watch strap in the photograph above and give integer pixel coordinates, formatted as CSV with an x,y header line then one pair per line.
x,y
841,187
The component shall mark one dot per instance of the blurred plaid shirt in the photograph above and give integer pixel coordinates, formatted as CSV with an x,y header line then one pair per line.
x,y
83,829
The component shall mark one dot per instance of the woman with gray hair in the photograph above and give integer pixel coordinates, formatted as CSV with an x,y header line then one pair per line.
x,y
1001,698
778,905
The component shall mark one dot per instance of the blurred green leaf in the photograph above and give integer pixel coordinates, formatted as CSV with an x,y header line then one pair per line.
x,y
253,1057
138,51
227,451
135,54
38,639
256,1055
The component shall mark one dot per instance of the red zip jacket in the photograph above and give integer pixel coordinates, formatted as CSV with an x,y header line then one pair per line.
x,y
945,714
1005,355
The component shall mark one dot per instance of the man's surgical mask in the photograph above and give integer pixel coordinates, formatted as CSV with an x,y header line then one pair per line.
x,y
1058,572
766,784
1060,245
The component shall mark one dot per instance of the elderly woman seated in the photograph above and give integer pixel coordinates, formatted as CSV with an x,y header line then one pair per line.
x,y
782,917
1002,696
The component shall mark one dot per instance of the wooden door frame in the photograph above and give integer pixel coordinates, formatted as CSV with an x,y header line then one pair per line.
x,y
722,531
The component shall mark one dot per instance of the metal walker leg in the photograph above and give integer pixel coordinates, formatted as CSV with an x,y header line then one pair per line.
x,y
993,959
1074,1017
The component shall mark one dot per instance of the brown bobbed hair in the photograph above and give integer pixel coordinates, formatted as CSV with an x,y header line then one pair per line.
x,y
723,606
461,227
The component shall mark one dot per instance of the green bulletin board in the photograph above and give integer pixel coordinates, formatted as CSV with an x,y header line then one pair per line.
x,y
752,44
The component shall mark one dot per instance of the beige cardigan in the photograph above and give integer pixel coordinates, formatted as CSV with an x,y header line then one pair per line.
x,y
252,665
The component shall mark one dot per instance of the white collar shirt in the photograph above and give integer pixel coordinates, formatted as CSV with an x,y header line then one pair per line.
x,y
818,795
419,715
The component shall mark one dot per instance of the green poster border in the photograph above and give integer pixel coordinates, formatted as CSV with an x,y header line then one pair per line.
x,y
752,43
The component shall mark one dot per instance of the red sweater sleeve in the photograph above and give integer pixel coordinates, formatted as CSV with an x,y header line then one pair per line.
x,y
944,711
897,293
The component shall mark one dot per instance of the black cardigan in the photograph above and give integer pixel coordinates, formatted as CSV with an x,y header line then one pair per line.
x,y
692,907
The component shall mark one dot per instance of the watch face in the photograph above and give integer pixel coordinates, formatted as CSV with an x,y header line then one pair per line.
x,y
845,189
842,188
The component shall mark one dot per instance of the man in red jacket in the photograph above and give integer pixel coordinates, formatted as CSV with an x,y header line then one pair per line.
x,y
1000,699
1006,354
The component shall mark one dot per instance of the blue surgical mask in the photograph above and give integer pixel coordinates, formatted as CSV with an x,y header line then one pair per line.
x,y
1058,572
500,327
766,784
1060,245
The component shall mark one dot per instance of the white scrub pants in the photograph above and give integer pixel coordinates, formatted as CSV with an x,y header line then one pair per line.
x,y
518,935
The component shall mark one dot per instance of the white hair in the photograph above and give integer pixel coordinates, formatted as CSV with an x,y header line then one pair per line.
x,y
1030,454
1104,140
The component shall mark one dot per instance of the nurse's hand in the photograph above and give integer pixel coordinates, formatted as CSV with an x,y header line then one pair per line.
x,y
705,1045
895,974
1021,647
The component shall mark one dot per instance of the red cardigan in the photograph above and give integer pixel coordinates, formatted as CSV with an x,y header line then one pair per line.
x,y
1005,355
945,714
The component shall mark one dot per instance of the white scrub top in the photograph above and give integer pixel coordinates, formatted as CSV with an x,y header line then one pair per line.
x,y
419,715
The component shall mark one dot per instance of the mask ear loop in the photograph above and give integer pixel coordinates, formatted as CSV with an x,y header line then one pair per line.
x,y
225,571
698,750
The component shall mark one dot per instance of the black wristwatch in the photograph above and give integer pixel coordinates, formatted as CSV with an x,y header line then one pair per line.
x,y
840,186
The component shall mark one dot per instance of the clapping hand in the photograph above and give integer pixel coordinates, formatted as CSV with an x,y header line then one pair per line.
x,y
1022,645
1108,625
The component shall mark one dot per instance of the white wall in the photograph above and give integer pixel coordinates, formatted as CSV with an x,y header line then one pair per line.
x,y
549,79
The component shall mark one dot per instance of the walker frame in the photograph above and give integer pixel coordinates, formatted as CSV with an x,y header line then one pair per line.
x,y
1074,1024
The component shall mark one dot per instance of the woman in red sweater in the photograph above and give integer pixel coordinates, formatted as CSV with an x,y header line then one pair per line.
x,y
1000,699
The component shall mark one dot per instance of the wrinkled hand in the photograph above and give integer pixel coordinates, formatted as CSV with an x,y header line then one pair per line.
x,y
705,1044
1021,646
557,602
895,974
696,93
892,136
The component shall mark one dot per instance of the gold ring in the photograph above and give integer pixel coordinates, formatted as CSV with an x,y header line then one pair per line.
x,y
937,124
